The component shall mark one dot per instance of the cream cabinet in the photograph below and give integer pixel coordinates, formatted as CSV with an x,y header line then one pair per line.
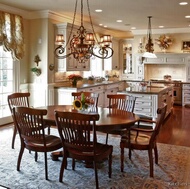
x,y
139,71
185,94
63,96
112,63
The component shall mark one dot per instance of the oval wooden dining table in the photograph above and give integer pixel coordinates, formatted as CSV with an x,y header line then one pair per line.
x,y
110,119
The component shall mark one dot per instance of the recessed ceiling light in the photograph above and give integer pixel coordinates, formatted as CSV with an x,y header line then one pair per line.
x,y
100,24
161,26
105,26
133,28
98,10
119,20
183,3
188,16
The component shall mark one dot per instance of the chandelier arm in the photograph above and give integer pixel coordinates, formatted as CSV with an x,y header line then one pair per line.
x,y
104,52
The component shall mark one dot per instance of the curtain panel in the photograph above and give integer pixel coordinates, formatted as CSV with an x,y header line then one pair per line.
x,y
11,34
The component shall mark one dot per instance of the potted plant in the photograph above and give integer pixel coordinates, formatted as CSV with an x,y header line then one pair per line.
x,y
36,71
91,79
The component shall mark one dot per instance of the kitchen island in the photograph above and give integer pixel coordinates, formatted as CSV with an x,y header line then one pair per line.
x,y
63,92
149,99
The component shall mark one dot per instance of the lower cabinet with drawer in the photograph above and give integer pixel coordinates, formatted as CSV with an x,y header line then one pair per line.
x,y
146,105
185,94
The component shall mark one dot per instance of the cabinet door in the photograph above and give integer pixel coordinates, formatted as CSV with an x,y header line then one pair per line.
x,y
74,65
139,72
112,63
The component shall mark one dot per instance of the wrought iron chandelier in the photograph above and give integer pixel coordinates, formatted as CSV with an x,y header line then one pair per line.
x,y
149,46
83,44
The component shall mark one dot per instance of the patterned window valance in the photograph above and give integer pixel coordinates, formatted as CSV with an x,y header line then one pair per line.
x,y
11,34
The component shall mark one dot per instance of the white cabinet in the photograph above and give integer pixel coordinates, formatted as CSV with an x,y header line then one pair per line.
x,y
146,105
112,63
126,58
139,71
69,63
63,96
185,94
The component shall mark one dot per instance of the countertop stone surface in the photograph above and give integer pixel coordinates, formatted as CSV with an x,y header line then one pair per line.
x,y
85,85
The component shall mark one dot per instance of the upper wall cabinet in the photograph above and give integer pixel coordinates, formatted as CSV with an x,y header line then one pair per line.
x,y
69,63
126,47
112,63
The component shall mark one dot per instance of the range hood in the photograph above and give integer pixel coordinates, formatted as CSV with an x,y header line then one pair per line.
x,y
168,58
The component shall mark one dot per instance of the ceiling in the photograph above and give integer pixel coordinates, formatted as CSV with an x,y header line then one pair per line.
x,y
134,13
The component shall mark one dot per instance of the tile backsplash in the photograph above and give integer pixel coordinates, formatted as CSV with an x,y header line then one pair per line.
x,y
177,71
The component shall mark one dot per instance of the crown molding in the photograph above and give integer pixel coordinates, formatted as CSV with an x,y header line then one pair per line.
x,y
162,31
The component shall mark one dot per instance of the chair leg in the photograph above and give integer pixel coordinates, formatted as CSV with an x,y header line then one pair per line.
x,y
36,156
96,175
20,157
73,164
46,166
151,162
14,136
156,154
122,157
107,138
49,130
110,165
63,166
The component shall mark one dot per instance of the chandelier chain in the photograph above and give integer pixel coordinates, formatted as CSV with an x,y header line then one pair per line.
x,y
72,26
91,22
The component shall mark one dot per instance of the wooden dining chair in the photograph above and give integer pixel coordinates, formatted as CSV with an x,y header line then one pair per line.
x,y
91,97
122,102
78,134
17,99
144,139
31,129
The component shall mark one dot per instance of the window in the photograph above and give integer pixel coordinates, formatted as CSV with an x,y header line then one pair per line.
x,y
6,81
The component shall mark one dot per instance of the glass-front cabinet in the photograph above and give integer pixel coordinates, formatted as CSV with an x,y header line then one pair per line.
x,y
126,48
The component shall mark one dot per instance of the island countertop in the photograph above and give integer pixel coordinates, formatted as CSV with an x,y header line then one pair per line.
x,y
148,90
85,85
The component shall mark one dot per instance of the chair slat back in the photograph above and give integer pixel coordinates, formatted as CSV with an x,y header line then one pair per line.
x,y
122,102
91,97
18,99
29,122
75,129
161,112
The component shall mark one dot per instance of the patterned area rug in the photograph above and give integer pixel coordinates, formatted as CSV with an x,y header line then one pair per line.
x,y
173,170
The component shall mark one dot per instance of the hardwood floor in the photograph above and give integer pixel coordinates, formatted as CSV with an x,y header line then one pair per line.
x,y
176,128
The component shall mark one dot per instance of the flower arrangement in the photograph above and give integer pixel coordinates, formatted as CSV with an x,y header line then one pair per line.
x,y
164,41
74,78
82,102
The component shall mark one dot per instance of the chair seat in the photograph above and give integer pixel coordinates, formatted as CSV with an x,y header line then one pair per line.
x,y
102,151
140,142
52,143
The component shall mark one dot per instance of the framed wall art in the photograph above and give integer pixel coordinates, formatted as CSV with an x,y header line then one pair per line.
x,y
185,46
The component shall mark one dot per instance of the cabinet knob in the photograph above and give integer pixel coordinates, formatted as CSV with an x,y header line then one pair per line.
x,y
84,66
